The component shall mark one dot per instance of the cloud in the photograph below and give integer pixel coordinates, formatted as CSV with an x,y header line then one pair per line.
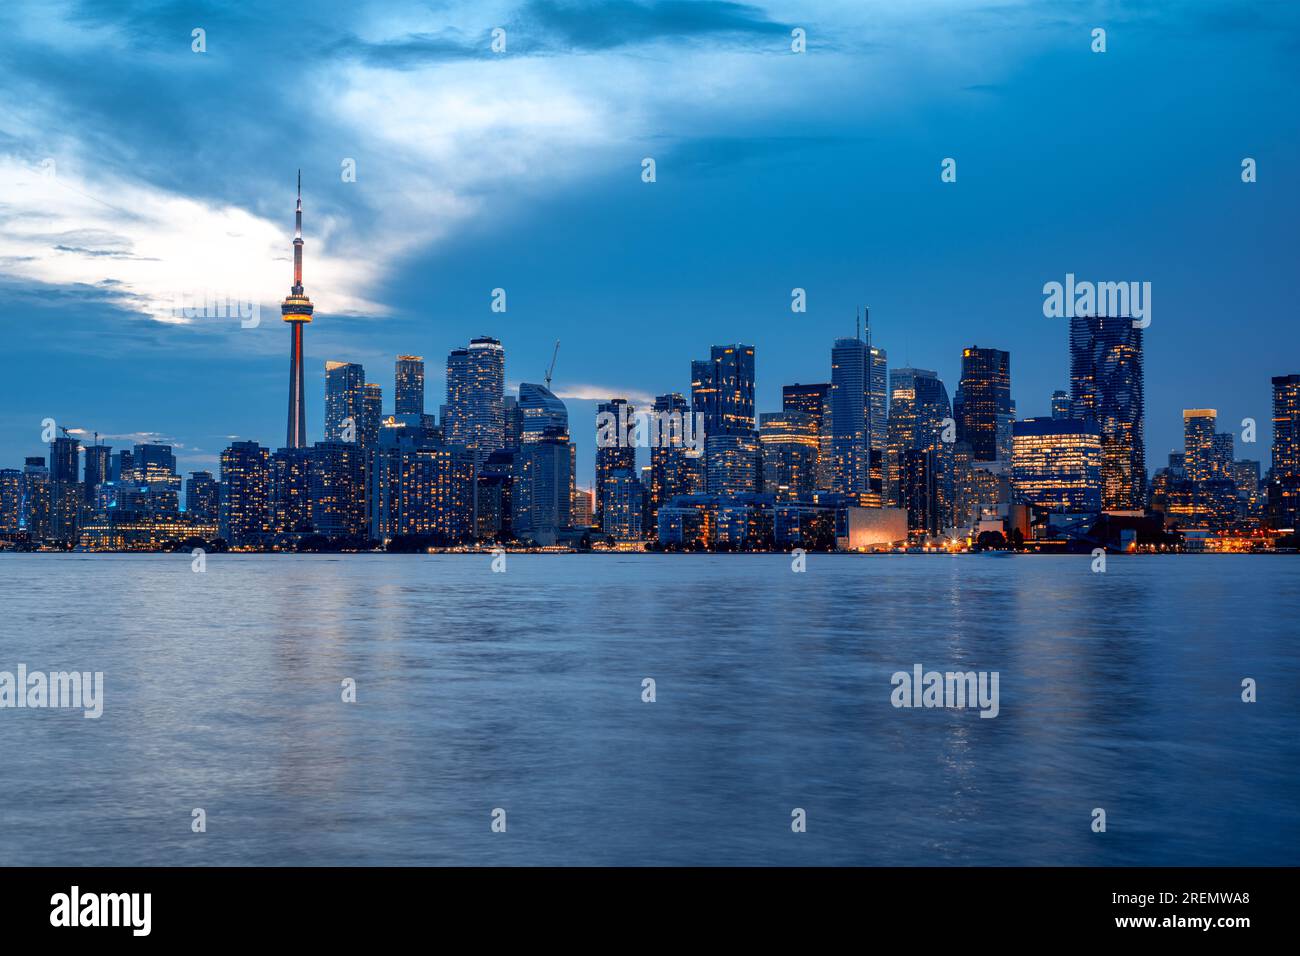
x,y
613,23
192,195
147,248
601,393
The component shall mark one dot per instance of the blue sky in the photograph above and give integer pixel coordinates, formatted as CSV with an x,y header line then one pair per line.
x,y
173,174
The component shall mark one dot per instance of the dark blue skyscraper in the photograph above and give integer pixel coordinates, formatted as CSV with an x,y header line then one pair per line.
x,y
723,390
850,416
1106,387
95,470
203,498
983,409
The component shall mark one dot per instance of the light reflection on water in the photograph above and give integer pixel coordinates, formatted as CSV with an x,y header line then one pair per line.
x,y
523,691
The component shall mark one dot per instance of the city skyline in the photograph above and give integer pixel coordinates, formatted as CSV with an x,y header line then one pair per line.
x,y
873,458
410,251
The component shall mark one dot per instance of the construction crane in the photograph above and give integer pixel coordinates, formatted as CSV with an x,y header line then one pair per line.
x,y
551,371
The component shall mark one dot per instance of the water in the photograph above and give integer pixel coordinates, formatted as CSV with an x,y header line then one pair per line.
x,y
522,691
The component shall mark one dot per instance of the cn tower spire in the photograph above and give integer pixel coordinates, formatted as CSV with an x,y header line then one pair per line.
x,y
297,311
297,241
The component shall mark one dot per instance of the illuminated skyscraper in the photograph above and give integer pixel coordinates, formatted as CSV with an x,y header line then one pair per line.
x,y
1284,487
918,407
878,398
11,500
1223,450
615,455
245,493
731,463
791,453
704,392
1056,464
540,498
372,414
95,470
670,466
290,491
539,409
338,490
297,311
815,402
983,408
65,489
1286,425
723,389
408,385
418,487
1107,387
621,515
36,498
1060,404
918,484
203,498
1198,443
154,470
474,415
850,416
345,392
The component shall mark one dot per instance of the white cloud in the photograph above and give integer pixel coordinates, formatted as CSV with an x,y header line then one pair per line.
x,y
602,393
146,247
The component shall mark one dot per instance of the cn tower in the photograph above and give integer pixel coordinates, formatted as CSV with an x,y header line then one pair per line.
x,y
296,310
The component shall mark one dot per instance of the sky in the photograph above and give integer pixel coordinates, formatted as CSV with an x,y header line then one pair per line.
x,y
138,173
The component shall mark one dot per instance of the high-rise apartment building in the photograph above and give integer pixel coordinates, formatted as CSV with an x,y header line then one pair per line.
x,y
245,493
408,385
474,416
345,391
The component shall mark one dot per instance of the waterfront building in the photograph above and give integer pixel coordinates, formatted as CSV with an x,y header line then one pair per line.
x,y
289,491
337,486
540,496
203,498
1107,387
245,494
1056,464
618,455
622,507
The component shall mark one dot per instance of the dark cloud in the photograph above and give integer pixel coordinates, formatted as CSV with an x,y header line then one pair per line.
x,y
615,23
551,27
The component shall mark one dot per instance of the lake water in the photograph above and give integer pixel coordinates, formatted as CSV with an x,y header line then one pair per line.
x,y
523,691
